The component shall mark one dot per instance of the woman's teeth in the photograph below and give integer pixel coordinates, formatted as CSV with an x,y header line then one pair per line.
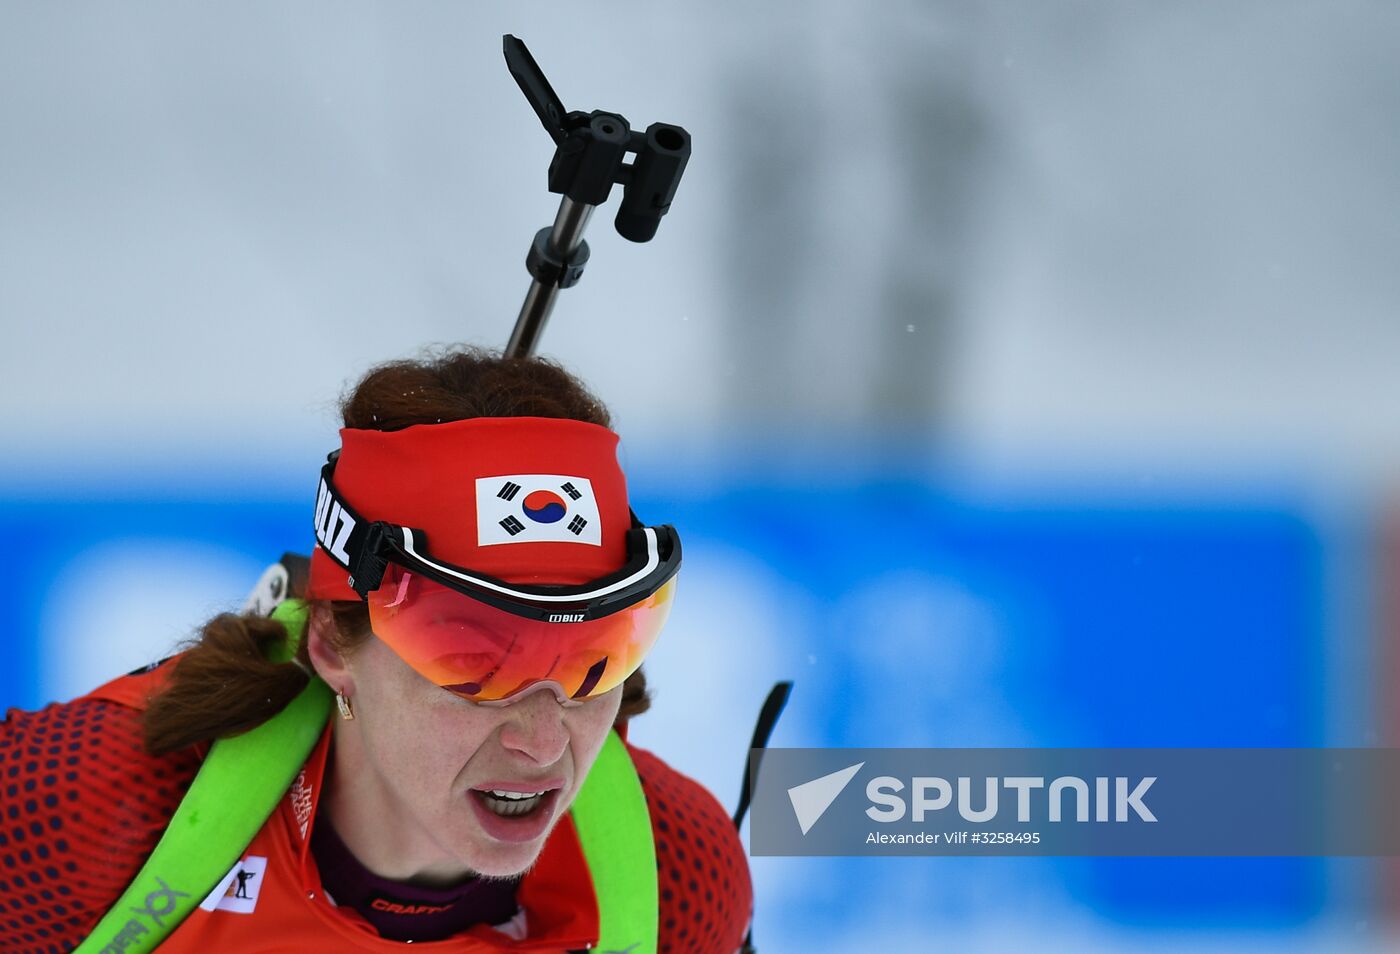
x,y
511,803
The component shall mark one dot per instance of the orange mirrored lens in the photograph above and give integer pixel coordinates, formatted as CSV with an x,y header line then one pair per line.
x,y
486,654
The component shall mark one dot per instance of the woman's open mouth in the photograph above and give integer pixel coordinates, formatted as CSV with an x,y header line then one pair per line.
x,y
510,804
515,813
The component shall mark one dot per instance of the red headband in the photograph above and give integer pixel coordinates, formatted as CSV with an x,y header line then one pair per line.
x,y
523,499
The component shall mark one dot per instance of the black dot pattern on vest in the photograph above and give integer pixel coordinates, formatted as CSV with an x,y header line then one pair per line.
x,y
81,806
702,873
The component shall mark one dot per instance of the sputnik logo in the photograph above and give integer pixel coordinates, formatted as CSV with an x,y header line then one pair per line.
x,y
810,800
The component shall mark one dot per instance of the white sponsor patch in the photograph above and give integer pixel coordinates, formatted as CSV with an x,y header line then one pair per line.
x,y
303,800
536,508
238,891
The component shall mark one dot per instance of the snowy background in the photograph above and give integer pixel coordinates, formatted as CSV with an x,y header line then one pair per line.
x,y
1017,373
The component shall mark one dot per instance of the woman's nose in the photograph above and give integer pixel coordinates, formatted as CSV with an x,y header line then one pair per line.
x,y
535,726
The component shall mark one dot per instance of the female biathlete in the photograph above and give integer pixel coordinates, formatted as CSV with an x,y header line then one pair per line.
x,y
423,744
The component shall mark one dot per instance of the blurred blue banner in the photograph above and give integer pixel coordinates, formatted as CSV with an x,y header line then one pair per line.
x,y
909,616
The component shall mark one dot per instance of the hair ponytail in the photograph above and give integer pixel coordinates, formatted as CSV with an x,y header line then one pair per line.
x,y
224,684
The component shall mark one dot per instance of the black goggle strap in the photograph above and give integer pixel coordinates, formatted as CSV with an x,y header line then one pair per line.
x,y
361,547
340,531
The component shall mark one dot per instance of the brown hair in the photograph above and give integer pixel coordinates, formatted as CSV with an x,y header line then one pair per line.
x,y
223,682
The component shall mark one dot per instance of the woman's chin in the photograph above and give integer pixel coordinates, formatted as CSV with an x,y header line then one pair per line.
x,y
503,861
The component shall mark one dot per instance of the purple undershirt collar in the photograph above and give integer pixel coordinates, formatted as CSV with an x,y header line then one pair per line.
x,y
407,912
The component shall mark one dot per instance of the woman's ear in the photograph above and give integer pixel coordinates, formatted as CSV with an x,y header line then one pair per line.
x,y
328,661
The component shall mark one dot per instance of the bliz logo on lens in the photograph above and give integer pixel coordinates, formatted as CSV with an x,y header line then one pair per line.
x,y
566,617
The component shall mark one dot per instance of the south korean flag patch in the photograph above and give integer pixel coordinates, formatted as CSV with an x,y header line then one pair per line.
x,y
536,508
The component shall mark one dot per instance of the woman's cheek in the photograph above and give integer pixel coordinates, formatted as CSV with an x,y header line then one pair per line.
x,y
425,731
457,727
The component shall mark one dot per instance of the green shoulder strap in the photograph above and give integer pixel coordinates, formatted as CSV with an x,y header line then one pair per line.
x,y
614,827
209,830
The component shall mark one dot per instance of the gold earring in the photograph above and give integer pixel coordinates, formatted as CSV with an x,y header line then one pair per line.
x,y
342,703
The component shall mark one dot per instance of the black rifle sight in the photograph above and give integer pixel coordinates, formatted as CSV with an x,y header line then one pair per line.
x,y
589,158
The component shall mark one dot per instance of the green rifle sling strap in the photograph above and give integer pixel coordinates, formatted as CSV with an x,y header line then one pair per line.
x,y
209,830
614,828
